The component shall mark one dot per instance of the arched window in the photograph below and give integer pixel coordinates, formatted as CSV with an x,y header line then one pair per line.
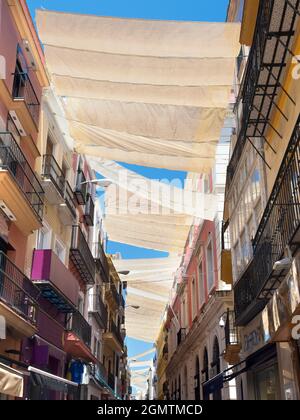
x,y
216,367
197,379
205,372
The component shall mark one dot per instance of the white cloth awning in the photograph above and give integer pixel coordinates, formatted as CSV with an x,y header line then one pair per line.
x,y
11,381
142,91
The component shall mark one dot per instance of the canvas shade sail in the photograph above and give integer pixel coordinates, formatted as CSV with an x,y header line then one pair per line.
x,y
142,91
149,283
11,381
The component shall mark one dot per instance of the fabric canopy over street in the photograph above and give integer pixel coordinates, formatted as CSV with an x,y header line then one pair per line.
x,y
11,381
152,93
146,92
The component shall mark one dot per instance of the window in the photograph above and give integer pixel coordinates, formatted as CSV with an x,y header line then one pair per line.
x,y
194,299
210,266
80,304
201,284
60,250
44,237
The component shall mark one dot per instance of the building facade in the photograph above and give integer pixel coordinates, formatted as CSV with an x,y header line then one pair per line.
x,y
61,303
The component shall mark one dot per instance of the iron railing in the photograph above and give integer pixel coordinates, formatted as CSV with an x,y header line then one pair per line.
x,y
99,308
79,326
81,188
231,330
279,224
267,59
23,89
89,210
116,332
180,336
52,170
13,160
81,255
17,291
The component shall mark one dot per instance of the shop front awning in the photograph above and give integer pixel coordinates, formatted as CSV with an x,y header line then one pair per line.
x,y
146,92
11,381
47,381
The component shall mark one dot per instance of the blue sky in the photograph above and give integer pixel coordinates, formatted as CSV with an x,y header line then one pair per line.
x,y
196,10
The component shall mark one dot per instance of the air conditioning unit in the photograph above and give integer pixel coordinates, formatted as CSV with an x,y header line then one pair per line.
x,y
9,214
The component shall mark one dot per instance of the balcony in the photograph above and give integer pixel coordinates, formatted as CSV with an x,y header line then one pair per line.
x,y
56,283
78,338
102,263
279,228
99,310
262,83
111,381
113,337
232,341
58,190
81,256
81,188
18,296
180,336
112,295
24,91
89,211
20,190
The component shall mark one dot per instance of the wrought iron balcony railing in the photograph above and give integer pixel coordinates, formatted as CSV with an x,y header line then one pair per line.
x,y
17,291
116,332
81,256
52,170
231,330
23,89
111,288
89,210
13,160
111,380
277,230
262,81
79,326
99,309
81,188
180,336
